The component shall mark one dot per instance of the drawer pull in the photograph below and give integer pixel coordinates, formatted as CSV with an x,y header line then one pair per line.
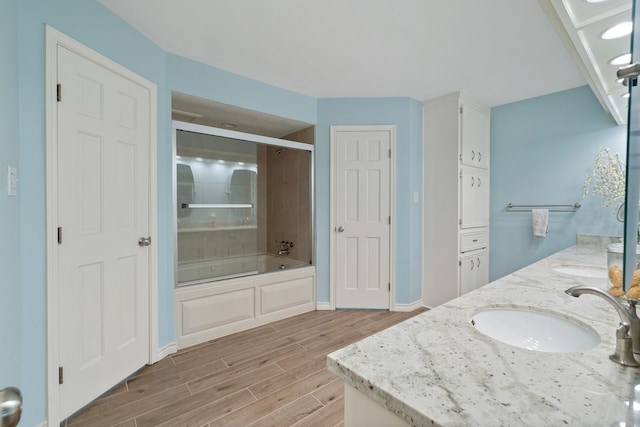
x,y
475,240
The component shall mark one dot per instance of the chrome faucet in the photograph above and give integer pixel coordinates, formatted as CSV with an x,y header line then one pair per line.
x,y
284,247
628,332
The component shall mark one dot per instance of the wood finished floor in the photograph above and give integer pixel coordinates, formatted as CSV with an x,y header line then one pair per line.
x,y
273,375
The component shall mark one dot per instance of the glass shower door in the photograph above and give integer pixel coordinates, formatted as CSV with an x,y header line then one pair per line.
x,y
216,186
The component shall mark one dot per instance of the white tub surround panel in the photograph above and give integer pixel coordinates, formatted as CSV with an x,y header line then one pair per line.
x,y
211,310
437,369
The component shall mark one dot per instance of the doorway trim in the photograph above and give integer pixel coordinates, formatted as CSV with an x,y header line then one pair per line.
x,y
332,206
53,39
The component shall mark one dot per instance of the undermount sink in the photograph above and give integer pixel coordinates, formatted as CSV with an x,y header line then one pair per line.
x,y
592,272
534,330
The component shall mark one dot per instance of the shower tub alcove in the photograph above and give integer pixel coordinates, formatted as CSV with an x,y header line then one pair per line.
x,y
243,231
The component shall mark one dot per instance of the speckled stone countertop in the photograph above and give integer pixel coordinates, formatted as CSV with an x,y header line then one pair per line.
x,y
436,369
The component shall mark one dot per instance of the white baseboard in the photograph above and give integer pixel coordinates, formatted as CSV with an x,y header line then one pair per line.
x,y
323,306
409,307
43,424
168,349
398,307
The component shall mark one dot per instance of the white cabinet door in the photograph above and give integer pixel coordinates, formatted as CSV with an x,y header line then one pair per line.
x,y
481,201
474,136
474,198
482,269
474,270
467,267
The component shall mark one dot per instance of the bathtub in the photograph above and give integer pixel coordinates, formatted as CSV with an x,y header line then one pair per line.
x,y
194,272
209,306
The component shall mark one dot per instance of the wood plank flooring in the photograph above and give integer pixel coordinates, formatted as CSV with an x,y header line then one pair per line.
x,y
273,375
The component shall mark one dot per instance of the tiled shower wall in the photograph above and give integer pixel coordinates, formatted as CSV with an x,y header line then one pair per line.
x,y
289,197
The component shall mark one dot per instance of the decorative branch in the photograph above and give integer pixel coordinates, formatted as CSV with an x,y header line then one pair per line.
x,y
607,179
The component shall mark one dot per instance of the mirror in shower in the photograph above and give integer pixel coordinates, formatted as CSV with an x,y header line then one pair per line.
x,y
243,207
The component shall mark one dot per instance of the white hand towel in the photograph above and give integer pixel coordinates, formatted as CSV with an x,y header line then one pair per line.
x,y
540,222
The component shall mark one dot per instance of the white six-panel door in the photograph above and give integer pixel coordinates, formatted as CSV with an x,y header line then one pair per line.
x,y
103,209
362,212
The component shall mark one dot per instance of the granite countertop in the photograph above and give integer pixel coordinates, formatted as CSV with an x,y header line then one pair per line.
x,y
437,369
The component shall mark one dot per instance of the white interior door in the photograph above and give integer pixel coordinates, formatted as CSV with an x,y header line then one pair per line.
x,y
103,209
362,218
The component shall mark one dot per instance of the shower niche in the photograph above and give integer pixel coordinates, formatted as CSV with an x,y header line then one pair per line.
x,y
238,197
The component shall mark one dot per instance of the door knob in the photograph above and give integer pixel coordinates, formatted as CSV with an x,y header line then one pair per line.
x,y
144,241
10,406
340,229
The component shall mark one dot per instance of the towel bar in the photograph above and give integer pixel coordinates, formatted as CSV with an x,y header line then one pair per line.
x,y
552,208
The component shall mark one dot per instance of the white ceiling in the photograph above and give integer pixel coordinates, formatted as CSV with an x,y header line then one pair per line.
x,y
497,51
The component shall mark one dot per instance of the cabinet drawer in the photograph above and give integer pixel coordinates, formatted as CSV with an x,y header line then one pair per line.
x,y
473,239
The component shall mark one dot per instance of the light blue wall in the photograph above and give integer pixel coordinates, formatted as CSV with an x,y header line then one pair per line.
x,y
406,114
542,149
90,23
10,290
194,78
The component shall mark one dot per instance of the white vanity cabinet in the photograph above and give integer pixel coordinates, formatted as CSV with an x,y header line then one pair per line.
x,y
456,150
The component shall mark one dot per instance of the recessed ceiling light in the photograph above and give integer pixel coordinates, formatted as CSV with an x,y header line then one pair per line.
x,y
220,161
621,60
178,157
620,30
625,95
241,163
595,1
230,125
200,159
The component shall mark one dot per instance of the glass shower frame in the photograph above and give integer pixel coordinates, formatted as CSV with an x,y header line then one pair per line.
x,y
241,136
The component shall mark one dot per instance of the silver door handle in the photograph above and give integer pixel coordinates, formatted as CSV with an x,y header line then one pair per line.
x,y
144,241
472,265
10,406
340,229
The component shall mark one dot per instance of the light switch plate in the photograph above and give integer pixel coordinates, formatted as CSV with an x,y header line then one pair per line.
x,y
12,181
416,197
